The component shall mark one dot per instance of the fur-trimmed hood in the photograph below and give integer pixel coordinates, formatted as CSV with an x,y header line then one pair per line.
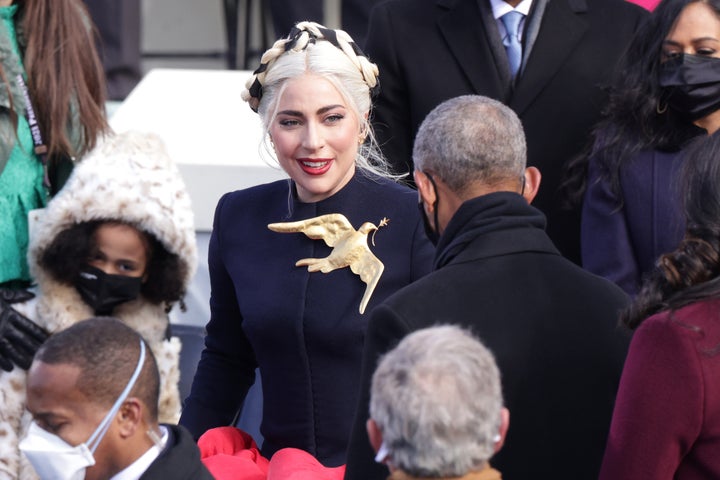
x,y
129,177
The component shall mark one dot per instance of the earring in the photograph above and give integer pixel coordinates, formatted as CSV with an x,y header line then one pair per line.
x,y
660,109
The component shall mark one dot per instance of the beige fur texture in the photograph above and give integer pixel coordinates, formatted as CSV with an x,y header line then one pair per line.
x,y
130,178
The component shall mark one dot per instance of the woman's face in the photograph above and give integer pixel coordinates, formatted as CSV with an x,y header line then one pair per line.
x,y
316,137
696,32
120,250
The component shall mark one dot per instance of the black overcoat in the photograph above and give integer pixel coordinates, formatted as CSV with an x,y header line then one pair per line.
x,y
551,325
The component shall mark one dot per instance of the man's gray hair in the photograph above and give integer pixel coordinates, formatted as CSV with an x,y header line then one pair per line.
x,y
437,400
471,139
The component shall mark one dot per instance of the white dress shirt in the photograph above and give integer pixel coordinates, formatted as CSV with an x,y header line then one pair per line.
x,y
500,8
135,470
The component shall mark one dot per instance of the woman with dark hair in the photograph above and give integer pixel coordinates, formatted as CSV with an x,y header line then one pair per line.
x,y
666,422
51,112
667,94
117,240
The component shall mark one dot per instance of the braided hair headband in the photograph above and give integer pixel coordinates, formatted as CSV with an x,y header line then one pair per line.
x,y
302,35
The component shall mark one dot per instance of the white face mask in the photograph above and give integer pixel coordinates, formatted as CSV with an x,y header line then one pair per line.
x,y
383,453
55,459
52,457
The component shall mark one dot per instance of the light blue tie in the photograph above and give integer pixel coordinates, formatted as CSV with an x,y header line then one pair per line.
x,y
511,20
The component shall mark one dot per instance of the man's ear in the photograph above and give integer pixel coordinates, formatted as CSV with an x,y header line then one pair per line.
x,y
532,183
130,416
426,190
374,434
504,425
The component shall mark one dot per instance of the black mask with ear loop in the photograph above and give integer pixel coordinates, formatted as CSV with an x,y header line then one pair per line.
x,y
103,292
691,85
432,234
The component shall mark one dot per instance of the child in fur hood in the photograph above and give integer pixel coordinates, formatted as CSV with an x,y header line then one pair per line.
x,y
117,240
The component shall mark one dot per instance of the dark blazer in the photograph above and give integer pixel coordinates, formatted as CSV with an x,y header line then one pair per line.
x,y
431,50
179,460
551,325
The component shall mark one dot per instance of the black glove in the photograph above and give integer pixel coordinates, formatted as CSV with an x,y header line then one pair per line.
x,y
20,337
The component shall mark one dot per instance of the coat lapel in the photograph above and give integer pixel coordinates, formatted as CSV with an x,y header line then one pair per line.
x,y
561,30
472,36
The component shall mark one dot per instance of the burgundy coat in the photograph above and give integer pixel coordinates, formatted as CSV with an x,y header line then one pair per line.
x,y
666,422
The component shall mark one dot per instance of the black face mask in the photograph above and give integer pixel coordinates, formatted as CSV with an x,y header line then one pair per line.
x,y
432,233
691,85
103,292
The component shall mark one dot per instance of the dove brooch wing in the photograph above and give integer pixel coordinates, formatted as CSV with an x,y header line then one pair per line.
x,y
350,248
370,268
330,228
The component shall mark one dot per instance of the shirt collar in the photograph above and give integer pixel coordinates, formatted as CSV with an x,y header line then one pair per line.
x,y
135,470
487,473
500,7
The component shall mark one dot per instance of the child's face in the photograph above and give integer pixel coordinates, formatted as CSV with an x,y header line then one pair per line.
x,y
121,250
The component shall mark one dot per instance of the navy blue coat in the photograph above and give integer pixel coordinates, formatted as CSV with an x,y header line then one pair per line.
x,y
622,237
303,330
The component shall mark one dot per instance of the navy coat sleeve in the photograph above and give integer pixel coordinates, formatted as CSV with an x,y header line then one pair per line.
x,y
606,245
227,366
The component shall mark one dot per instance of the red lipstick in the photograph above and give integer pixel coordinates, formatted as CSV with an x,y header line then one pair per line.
x,y
315,166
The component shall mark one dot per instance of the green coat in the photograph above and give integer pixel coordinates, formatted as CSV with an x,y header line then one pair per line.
x,y
59,167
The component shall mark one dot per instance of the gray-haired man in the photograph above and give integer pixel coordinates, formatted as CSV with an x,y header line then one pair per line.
x,y
436,408
551,325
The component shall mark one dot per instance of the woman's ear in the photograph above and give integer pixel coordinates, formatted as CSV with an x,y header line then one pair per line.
x,y
532,183
364,128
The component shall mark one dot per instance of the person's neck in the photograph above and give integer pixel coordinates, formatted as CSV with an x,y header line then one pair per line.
x,y
480,189
711,122
141,443
513,3
6,3
397,474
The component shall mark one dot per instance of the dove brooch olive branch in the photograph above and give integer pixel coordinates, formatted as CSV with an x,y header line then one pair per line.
x,y
350,247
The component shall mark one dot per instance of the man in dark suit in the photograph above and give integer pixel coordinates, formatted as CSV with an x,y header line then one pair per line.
x,y
551,325
431,50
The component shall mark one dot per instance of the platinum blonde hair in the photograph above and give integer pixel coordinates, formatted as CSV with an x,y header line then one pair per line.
x,y
311,49
437,399
470,139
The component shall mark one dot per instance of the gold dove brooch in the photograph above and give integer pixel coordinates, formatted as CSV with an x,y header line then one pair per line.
x,y
350,248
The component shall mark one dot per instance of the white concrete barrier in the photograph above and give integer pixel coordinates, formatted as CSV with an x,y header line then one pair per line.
x,y
212,135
